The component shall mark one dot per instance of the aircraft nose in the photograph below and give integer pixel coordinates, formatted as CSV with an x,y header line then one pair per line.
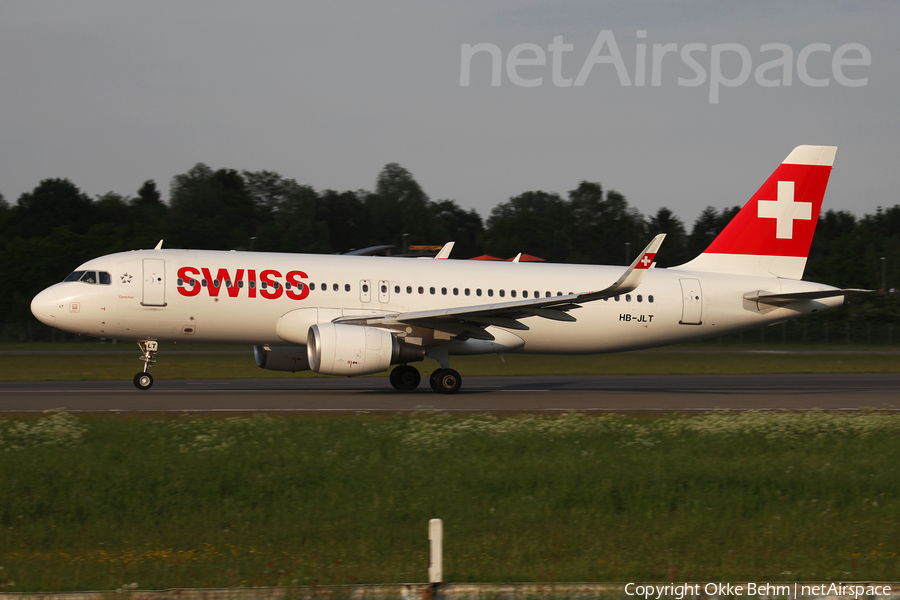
x,y
44,306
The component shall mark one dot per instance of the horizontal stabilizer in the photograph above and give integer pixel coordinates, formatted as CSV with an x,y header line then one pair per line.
x,y
787,298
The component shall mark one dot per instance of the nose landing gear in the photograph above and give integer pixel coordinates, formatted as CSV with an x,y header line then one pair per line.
x,y
144,379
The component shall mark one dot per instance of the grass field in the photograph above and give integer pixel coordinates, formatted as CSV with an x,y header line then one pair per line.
x,y
212,363
98,502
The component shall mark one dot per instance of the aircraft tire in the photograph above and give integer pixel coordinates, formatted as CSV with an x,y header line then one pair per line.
x,y
143,380
445,381
432,380
405,378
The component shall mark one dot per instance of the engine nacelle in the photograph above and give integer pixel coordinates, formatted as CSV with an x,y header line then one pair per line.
x,y
335,349
281,358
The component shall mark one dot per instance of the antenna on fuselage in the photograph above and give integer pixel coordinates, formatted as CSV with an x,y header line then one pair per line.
x,y
159,245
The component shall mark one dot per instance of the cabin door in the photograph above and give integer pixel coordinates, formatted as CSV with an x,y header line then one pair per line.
x,y
154,282
692,307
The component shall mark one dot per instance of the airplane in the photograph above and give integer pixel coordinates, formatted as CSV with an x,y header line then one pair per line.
x,y
356,315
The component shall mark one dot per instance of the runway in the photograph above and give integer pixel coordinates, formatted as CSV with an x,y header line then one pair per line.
x,y
632,394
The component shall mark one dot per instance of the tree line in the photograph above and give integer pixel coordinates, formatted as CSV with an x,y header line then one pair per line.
x,y
55,227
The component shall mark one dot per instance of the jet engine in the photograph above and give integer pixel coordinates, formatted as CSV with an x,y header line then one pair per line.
x,y
281,358
335,349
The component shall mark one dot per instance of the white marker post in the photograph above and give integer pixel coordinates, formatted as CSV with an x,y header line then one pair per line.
x,y
436,540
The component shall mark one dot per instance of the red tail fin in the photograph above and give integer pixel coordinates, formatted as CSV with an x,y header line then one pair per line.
x,y
773,232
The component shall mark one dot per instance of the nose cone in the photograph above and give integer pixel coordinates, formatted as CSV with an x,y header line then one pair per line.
x,y
44,306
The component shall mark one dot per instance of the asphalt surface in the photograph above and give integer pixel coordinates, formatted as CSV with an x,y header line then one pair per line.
x,y
478,394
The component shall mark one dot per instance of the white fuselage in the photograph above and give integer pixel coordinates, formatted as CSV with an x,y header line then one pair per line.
x,y
151,296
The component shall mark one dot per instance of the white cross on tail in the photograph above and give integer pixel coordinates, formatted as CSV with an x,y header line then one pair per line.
x,y
784,210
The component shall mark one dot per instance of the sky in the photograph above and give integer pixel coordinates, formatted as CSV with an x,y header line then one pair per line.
x,y
112,93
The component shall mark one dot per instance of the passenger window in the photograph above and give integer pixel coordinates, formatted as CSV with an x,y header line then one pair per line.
x,y
396,289
335,287
252,284
203,283
490,292
216,283
512,293
478,292
287,285
275,285
421,290
548,294
640,298
409,289
431,290
228,283
365,288
346,287
617,298
312,286
456,291
524,293
627,297
467,291
559,293
502,293
193,282
241,284
180,281
263,285
443,291
650,298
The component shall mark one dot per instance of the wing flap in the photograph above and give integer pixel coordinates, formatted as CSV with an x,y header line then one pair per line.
x,y
555,314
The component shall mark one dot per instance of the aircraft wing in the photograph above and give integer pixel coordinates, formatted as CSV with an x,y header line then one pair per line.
x,y
471,321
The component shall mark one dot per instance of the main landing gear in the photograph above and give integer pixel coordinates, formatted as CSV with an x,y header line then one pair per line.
x,y
405,378
144,379
443,381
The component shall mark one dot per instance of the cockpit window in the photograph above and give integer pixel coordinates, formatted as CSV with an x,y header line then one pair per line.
x,y
101,277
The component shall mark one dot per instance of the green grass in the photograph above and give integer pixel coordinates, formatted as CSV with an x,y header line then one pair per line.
x,y
98,502
173,364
